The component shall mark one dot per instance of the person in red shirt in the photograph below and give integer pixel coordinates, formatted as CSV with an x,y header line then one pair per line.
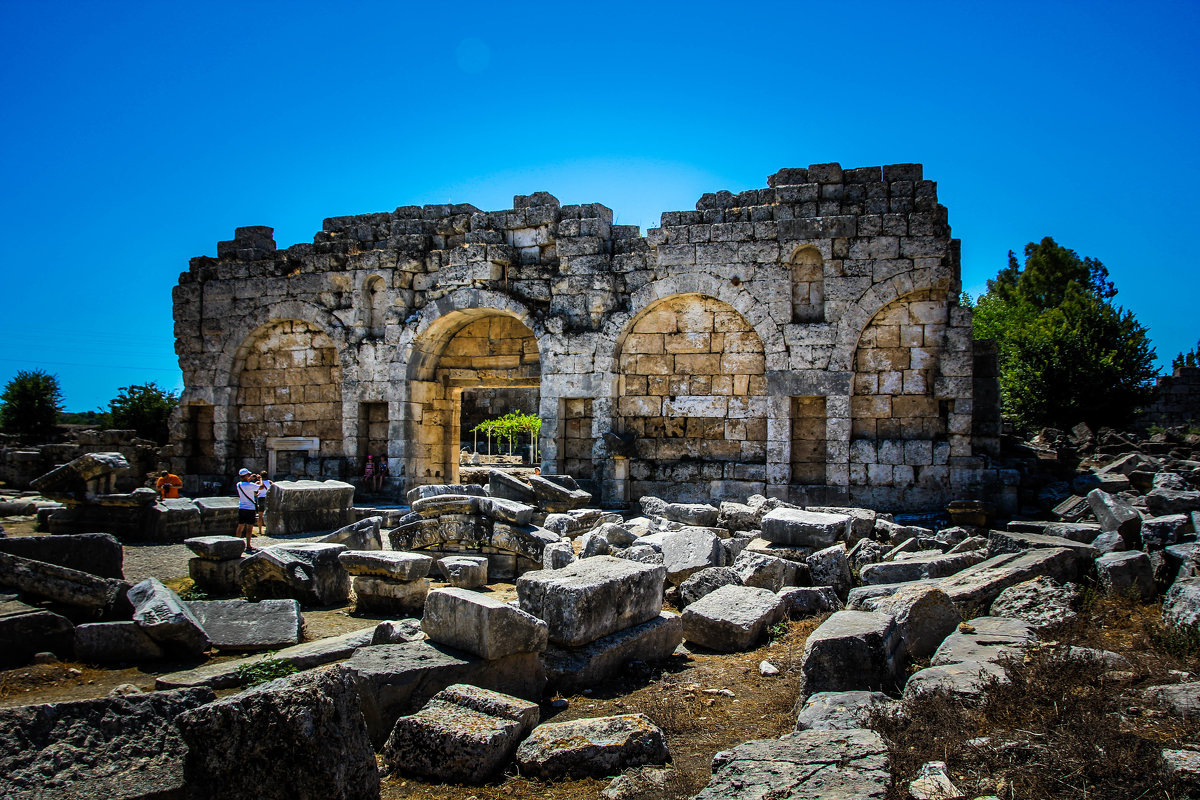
x,y
167,485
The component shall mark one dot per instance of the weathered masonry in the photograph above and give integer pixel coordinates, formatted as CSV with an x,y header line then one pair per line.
x,y
803,341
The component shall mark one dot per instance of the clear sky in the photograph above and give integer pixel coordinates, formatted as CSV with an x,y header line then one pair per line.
x,y
136,135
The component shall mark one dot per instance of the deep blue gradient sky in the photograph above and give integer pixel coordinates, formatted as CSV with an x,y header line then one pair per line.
x,y
136,135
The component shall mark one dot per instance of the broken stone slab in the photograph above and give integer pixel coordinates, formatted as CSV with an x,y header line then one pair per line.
x,y
227,675
437,489
1181,699
1181,606
1010,542
852,650
385,596
731,619
862,525
985,639
735,517
1042,602
241,626
310,573
796,555
220,578
642,554
502,509
1125,573
1163,501
596,747
840,711
398,679
70,587
1182,766
706,581
688,551
1083,532
830,567
575,523
970,544
592,598
966,680
809,765
171,520
975,587
299,736
924,616
464,734
90,473
796,527
503,485
1114,514
115,642
558,555
361,535
800,602
122,747
525,541
1158,532
26,631
573,669
1182,560
441,504
936,565
386,564
306,506
98,554
464,572
166,619
216,548
218,515
398,631
481,625
691,514
416,535
593,544
555,498
764,571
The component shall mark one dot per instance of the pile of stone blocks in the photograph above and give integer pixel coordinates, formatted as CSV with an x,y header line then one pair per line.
x,y
309,572
600,613
387,582
217,567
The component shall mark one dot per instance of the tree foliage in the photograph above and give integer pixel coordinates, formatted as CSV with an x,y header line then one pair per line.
x,y
1067,354
145,408
30,403
510,426
1189,359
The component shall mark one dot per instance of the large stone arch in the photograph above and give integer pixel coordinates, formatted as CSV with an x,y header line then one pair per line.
x,y
692,395
471,339
850,327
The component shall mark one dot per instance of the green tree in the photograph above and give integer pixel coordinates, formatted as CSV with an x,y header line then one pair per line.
x,y
1189,359
30,403
145,408
1067,354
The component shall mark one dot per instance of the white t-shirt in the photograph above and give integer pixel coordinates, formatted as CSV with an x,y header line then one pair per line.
x,y
262,492
246,492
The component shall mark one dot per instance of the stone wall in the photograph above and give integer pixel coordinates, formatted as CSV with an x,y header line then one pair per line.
x,y
1177,401
792,340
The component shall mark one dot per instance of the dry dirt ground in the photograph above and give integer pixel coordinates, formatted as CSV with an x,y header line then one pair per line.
x,y
1079,733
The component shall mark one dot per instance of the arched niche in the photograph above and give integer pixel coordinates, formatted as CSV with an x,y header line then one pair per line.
x,y
807,270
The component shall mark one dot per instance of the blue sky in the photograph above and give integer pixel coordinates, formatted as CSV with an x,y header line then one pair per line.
x,y
137,135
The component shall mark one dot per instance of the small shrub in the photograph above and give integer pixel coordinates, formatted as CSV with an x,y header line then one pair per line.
x,y
266,670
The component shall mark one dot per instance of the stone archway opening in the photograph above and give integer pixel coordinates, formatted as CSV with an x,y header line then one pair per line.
x,y
479,353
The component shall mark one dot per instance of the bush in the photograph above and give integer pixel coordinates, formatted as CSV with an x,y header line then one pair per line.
x,y
30,403
145,408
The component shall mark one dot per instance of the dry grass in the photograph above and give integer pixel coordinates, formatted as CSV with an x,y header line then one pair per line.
x,y
1059,729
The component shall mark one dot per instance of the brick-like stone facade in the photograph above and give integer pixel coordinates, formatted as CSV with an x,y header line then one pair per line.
x,y
1176,401
803,340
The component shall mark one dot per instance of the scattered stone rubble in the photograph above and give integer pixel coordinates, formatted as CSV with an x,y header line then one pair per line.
x,y
968,598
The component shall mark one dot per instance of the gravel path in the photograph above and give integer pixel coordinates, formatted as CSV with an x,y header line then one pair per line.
x,y
170,560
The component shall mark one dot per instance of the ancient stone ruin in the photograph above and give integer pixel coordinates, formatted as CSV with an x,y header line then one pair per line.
x,y
802,341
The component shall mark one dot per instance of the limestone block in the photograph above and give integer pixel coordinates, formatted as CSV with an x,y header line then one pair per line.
x,y
809,764
171,521
935,565
691,550
795,527
527,541
555,498
226,757
361,535
217,577
434,490
808,601
1114,514
985,639
386,596
108,642
217,548
481,625
166,619
1162,501
443,504
1158,532
98,554
1124,573
840,711
243,627
852,650
592,747
503,510
1181,606
304,506
962,679
691,514
465,572
1042,602
706,581
924,616
504,486
310,573
1183,699
386,564
764,571
397,679
732,618
592,598
118,747
71,479
464,734
573,669
26,631
830,567
218,515
558,555
1014,542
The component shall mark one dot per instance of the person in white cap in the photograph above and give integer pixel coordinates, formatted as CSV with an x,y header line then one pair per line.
x,y
247,493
